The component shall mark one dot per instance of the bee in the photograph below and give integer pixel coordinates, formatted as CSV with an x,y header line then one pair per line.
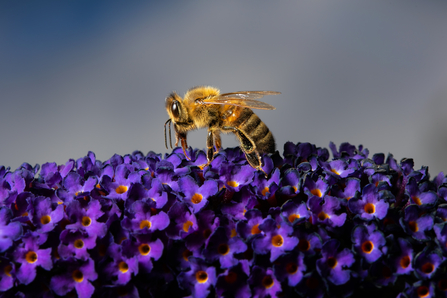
x,y
205,106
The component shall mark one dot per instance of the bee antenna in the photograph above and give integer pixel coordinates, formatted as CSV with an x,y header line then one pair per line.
x,y
166,141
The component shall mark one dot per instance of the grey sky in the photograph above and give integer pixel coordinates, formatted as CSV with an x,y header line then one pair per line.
x,y
79,76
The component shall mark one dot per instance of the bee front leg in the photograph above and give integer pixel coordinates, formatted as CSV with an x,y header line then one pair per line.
x,y
182,138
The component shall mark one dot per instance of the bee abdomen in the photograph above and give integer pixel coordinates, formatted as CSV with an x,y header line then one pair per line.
x,y
259,133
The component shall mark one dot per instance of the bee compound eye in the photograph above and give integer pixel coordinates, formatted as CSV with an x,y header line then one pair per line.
x,y
175,109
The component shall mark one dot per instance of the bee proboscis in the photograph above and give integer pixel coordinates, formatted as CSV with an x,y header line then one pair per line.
x,y
205,106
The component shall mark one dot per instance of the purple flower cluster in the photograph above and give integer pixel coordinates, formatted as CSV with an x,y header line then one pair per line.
x,y
144,225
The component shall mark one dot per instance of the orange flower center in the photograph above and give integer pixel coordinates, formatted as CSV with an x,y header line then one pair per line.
x,y
291,268
369,208
367,246
303,245
232,183
405,261
223,249
293,216
201,276
144,249
417,200
31,257
316,192
123,267
267,281
428,268
79,243
186,254
322,215
145,224
413,226
186,226
423,291
331,262
86,221
121,189
45,219
277,241
196,198
77,276
255,229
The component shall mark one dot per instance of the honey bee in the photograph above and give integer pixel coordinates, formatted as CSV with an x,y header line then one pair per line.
x,y
205,106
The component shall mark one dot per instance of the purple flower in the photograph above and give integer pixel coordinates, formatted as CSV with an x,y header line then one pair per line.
x,y
403,261
382,273
30,255
75,244
75,186
77,275
311,285
183,222
9,231
86,219
143,217
334,265
266,187
236,176
7,274
263,282
427,262
222,247
308,243
121,268
197,196
351,190
207,222
368,244
199,279
293,213
290,183
144,249
118,187
250,228
337,168
274,240
416,223
157,193
418,195
324,211
233,282
290,267
319,188
44,214
369,206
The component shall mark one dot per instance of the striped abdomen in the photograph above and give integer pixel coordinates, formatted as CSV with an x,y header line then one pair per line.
x,y
253,128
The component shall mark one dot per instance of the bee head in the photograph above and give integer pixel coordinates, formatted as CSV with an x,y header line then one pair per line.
x,y
175,108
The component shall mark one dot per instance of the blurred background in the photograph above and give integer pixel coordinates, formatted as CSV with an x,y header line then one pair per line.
x,y
93,75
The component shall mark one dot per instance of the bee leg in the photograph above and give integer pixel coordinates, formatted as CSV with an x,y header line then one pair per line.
x,y
249,148
254,159
182,138
210,146
217,141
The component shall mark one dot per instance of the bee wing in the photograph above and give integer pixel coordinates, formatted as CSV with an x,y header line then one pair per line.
x,y
245,99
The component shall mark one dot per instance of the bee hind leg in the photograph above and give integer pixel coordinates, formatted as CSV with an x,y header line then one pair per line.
x,y
254,159
249,148
210,146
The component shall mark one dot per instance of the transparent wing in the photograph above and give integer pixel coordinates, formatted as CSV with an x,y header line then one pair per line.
x,y
245,99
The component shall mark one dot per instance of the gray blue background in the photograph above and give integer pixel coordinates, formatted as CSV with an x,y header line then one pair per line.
x,y
92,75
